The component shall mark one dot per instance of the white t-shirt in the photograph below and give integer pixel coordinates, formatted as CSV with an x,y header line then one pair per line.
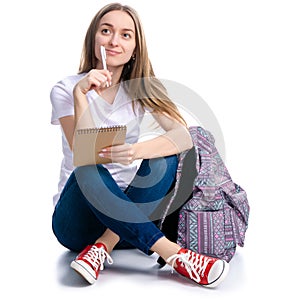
x,y
104,114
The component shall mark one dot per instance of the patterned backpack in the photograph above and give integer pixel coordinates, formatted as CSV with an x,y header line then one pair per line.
x,y
214,218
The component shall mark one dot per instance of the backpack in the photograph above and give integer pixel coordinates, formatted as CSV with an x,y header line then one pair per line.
x,y
214,218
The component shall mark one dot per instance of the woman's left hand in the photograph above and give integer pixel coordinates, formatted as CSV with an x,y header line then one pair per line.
x,y
123,154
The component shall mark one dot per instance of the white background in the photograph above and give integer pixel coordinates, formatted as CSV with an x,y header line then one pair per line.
x,y
241,57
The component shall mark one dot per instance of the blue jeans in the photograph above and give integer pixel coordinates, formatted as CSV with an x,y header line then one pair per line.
x,y
91,202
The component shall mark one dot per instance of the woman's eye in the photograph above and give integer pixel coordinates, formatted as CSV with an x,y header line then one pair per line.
x,y
105,31
126,35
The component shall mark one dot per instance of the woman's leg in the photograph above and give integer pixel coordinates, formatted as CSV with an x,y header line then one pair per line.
x,y
152,183
74,224
116,210
91,202
165,248
145,236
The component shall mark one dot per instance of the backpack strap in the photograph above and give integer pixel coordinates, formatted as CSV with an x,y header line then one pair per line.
x,y
205,191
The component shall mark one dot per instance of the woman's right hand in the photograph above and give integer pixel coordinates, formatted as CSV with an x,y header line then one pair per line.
x,y
95,79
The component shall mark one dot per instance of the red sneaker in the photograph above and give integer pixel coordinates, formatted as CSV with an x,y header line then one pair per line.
x,y
205,270
90,261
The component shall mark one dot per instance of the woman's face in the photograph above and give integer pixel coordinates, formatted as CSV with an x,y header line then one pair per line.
x,y
116,32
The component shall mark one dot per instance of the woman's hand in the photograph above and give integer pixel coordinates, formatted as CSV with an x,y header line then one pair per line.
x,y
94,80
123,154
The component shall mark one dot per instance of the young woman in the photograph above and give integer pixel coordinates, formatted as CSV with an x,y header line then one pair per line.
x,y
102,207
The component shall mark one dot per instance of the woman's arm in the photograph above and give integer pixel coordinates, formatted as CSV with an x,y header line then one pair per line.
x,y
82,118
176,139
68,126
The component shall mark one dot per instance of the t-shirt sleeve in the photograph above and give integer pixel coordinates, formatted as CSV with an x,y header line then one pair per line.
x,y
61,97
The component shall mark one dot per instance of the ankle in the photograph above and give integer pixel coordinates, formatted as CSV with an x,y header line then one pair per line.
x,y
107,245
165,248
109,239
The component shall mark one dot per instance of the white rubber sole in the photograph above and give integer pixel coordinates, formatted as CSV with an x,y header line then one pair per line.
x,y
83,272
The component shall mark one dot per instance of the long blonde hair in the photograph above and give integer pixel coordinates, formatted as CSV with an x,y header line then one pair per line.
x,y
137,74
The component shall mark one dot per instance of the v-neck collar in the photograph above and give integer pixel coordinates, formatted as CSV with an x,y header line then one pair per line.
x,y
95,96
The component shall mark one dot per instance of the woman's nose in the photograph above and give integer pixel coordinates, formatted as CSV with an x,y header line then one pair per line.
x,y
114,40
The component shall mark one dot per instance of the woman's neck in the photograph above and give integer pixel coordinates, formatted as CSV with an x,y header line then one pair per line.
x,y
109,93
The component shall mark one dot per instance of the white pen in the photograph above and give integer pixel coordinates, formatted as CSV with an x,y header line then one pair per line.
x,y
103,57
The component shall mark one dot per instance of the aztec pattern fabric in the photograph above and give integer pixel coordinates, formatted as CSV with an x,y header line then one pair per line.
x,y
215,219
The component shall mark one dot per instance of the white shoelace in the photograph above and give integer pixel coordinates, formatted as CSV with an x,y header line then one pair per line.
x,y
96,257
194,263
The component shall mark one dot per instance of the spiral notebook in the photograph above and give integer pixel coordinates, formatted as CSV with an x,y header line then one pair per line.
x,y
89,142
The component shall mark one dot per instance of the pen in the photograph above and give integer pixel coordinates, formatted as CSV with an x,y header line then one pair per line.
x,y
103,57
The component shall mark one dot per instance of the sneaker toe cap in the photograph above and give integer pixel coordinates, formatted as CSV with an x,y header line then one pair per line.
x,y
217,272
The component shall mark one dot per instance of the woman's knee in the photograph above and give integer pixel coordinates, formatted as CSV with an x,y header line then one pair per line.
x,y
164,167
58,229
76,233
90,175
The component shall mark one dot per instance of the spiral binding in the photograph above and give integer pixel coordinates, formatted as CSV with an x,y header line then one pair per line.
x,y
101,129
